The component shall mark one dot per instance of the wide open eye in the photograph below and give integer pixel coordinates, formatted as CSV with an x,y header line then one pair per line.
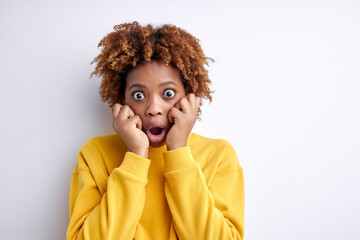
x,y
138,95
169,93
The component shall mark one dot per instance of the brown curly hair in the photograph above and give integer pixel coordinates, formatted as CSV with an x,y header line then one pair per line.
x,y
131,45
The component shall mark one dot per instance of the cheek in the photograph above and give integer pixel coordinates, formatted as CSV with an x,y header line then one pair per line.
x,y
138,110
168,107
172,103
178,97
135,107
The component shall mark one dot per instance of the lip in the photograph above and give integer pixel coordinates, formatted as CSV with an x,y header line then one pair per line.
x,y
159,137
155,124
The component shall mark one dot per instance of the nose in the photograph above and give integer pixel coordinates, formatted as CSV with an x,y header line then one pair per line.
x,y
154,107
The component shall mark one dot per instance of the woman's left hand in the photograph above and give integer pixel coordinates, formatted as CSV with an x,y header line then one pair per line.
x,y
183,115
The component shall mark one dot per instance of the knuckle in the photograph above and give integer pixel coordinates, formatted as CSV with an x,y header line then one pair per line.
x,y
183,100
172,110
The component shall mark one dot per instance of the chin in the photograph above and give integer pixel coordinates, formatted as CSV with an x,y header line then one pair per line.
x,y
157,144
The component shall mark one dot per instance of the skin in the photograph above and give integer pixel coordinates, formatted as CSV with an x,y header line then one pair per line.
x,y
154,93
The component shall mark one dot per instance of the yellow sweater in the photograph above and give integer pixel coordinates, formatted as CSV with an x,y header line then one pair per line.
x,y
194,192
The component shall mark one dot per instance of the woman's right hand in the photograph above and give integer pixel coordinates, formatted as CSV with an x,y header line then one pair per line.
x,y
129,127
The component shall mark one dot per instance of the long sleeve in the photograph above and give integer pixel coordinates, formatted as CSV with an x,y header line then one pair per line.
x,y
201,209
115,213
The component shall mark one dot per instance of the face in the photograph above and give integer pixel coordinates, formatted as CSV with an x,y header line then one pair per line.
x,y
151,91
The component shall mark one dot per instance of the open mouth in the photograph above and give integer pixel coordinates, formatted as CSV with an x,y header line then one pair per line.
x,y
156,133
156,130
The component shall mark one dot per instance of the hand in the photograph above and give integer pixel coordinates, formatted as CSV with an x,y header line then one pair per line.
x,y
183,115
129,127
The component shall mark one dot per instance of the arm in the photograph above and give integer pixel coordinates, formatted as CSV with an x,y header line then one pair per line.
x,y
199,211
96,213
115,214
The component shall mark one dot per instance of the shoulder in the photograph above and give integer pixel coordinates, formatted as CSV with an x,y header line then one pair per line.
x,y
219,150
103,152
196,140
99,156
103,143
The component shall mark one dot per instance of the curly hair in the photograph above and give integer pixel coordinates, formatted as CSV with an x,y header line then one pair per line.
x,y
131,45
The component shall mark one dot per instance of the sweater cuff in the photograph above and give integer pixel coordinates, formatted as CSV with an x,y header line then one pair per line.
x,y
135,165
178,159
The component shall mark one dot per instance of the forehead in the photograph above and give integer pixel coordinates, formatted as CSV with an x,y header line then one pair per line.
x,y
153,73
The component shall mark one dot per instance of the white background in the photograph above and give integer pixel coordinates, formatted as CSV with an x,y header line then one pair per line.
x,y
286,81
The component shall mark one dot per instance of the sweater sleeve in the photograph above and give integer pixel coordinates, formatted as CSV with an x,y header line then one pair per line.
x,y
116,213
200,211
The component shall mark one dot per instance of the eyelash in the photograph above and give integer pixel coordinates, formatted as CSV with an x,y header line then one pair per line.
x,y
133,93
171,90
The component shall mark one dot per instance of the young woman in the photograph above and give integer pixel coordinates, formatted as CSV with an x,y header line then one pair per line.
x,y
154,178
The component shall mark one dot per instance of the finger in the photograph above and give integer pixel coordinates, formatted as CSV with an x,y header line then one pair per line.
x,y
177,105
131,112
125,112
173,114
116,109
136,120
192,100
184,105
170,116
198,103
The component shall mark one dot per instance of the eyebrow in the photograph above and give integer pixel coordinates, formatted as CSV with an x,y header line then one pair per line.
x,y
167,83
136,85
160,85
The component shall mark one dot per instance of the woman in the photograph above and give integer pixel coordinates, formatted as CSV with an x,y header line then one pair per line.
x,y
154,178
